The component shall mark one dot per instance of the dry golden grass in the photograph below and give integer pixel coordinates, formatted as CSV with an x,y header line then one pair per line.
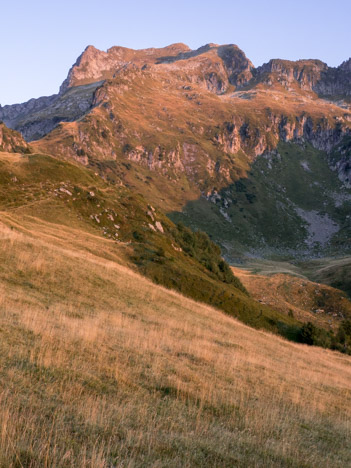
x,y
101,368
288,293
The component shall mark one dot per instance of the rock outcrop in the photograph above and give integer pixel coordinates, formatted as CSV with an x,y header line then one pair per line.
x,y
179,111
340,161
219,64
309,75
12,141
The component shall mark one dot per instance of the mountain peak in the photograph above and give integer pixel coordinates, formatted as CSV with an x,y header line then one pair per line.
x,y
94,65
179,46
306,72
86,67
90,49
218,69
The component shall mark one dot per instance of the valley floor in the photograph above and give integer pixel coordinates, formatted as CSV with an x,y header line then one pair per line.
x,y
100,367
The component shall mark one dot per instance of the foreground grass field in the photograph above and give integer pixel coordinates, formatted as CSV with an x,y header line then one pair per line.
x,y
100,368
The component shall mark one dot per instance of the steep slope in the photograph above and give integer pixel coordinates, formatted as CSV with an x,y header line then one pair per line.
x,y
100,367
37,117
295,296
193,139
45,189
333,271
218,67
310,75
11,141
213,66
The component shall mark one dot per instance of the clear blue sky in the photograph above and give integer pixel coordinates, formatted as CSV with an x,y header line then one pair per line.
x,y
41,39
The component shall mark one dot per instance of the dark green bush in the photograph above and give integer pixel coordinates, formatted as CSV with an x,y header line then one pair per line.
x,y
308,333
199,246
139,236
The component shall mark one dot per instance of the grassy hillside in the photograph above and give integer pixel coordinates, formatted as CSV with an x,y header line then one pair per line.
x,y
102,368
65,194
308,301
333,271
123,332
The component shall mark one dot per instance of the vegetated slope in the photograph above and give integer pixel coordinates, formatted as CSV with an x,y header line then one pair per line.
x,y
100,367
59,192
333,271
295,296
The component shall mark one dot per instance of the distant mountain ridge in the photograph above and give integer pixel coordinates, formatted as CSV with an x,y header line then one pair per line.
x,y
222,67
208,138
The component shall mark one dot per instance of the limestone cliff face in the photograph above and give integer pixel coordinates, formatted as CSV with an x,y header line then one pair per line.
x,y
238,66
340,160
11,112
343,168
241,134
336,82
309,75
306,73
217,66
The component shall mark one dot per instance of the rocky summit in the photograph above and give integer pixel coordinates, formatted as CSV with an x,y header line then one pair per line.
x,y
258,157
